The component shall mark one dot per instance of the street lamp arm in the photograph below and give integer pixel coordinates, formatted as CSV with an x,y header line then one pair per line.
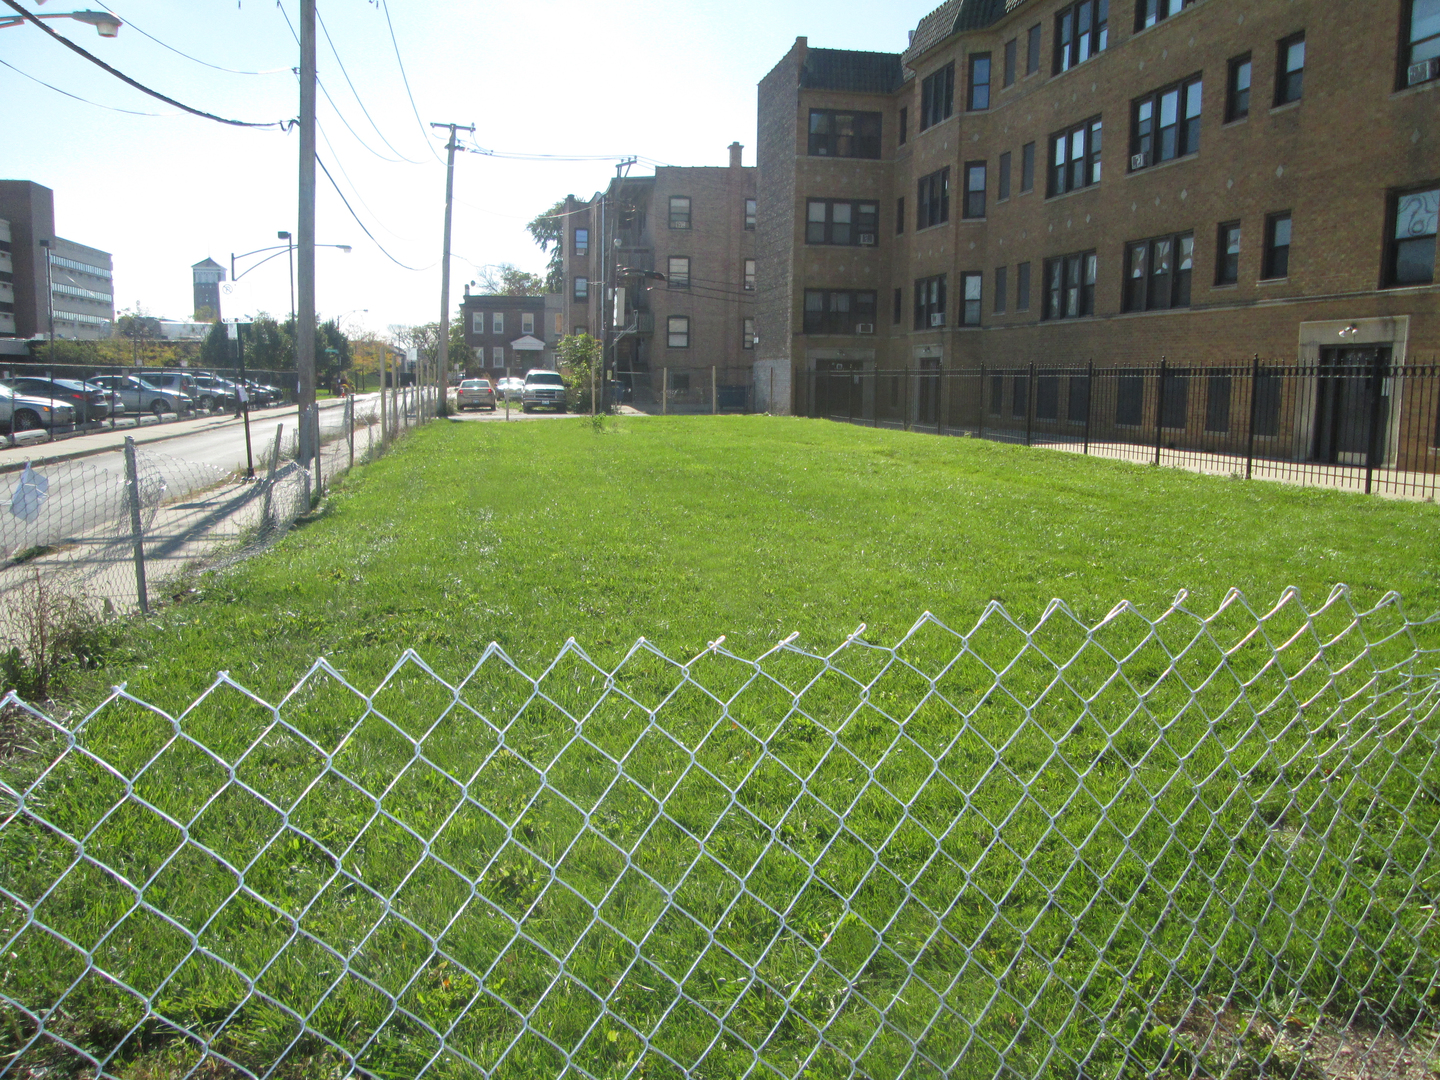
x,y
105,24
277,249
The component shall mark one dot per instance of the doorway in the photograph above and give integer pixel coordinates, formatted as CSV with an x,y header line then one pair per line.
x,y
1352,405
839,393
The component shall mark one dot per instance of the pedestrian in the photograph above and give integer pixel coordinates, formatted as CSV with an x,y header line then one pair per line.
x,y
241,397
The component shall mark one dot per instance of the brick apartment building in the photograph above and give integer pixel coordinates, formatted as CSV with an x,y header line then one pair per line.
x,y
511,334
76,287
695,226
1053,181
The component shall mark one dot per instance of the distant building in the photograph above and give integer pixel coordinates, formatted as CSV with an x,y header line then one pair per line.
x,y
207,276
7,293
512,334
695,226
53,279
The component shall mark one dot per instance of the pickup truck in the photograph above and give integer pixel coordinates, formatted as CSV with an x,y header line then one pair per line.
x,y
543,390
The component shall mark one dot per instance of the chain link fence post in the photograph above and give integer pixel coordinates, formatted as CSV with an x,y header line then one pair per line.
x,y
137,529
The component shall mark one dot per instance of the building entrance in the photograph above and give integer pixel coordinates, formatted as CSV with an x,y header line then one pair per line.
x,y
839,390
1352,406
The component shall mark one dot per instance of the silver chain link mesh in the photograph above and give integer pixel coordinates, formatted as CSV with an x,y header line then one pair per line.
x,y
1182,846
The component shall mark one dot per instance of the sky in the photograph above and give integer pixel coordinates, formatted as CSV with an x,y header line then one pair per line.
x,y
672,83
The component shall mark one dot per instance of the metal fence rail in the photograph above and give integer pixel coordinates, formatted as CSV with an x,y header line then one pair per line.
x,y
1182,846
1354,421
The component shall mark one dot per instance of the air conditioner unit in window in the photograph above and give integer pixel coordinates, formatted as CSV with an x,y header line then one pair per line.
x,y
867,239
1139,161
865,328
1423,71
937,318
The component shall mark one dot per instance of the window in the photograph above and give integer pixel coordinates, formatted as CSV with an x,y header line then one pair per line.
x,y
1412,254
581,329
1237,89
930,302
904,125
937,96
844,134
974,189
979,92
677,331
933,202
1002,284
1166,124
1075,158
749,275
1004,178
497,356
559,322
1149,12
1047,397
1227,254
1277,246
1078,409
678,276
497,319
1157,274
839,311
1022,287
899,215
1217,403
1032,51
1019,395
1027,167
1267,403
899,310
582,241
750,214
679,211
527,322
839,221
1175,399
747,333
997,394
1129,400
971,288
1081,31
1012,55
1070,286
1289,69
477,322
679,382
1422,56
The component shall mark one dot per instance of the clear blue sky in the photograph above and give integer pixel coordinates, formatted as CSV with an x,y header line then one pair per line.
x,y
669,81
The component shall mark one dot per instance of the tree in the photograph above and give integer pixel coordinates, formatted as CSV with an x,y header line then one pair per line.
x,y
578,355
137,324
548,230
462,356
509,280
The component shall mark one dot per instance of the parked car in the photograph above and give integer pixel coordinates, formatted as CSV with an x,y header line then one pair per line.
x,y
543,390
475,394
139,395
213,392
511,388
89,402
20,412
174,382
263,395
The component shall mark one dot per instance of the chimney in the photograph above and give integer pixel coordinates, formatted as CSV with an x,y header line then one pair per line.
x,y
735,151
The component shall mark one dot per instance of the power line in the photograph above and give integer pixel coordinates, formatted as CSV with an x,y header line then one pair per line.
x,y
356,187
336,52
403,78
204,63
356,134
283,125
77,97
542,157
366,231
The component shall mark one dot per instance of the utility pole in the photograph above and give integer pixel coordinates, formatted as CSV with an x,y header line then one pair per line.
x,y
443,374
609,277
305,234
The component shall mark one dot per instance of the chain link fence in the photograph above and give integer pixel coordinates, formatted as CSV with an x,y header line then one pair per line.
x,y
85,538
1187,846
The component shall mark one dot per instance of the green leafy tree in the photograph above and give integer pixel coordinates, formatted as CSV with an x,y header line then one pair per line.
x,y
578,355
509,280
462,356
548,231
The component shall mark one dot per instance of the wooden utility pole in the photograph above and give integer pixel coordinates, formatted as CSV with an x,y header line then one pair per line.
x,y
442,375
305,233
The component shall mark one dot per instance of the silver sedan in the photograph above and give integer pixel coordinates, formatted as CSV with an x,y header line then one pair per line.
x,y
140,396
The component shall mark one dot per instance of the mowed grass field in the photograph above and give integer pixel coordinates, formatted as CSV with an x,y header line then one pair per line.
x,y
739,871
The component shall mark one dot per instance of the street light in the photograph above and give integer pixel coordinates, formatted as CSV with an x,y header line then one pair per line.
x,y
288,246
107,25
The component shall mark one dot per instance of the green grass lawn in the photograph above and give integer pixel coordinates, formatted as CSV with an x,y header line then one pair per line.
x,y
1009,870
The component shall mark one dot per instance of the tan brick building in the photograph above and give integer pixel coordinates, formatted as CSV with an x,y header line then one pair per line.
x,y
1059,181
694,226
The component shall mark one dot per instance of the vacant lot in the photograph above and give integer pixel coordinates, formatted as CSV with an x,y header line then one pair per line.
x,y
1080,865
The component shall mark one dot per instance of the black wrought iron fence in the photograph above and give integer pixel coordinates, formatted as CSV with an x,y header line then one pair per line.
x,y
1351,419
